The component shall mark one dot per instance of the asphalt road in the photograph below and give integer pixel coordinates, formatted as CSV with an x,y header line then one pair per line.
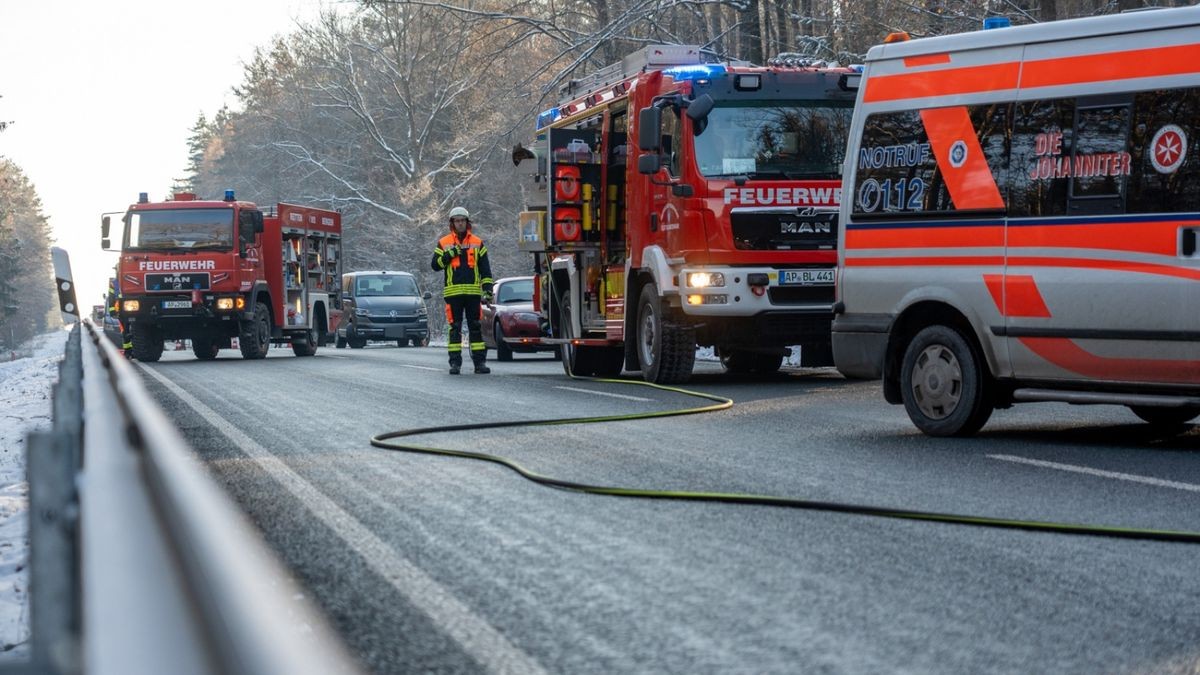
x,y
441,565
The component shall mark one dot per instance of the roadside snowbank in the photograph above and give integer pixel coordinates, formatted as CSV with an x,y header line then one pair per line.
x,y
25,396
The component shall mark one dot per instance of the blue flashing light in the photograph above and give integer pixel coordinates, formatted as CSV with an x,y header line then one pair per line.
x,y
700,71
996,22
856,67
548,117
229,195
143,197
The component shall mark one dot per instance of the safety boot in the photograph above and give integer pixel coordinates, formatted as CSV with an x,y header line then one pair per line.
x,y
455,365
480,364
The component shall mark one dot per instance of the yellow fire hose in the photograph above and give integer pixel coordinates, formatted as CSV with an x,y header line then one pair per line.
x,y
721,403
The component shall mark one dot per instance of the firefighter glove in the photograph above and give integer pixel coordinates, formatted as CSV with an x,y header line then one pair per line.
x,y
487,290
450,254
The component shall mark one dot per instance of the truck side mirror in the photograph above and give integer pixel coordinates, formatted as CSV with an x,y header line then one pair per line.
x,y
649,164
650,129
105,241
698,109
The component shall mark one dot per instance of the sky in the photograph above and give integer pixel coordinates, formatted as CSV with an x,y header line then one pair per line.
x,y
102,97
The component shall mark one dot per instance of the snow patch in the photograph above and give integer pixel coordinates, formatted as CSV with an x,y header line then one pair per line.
x,y
27,377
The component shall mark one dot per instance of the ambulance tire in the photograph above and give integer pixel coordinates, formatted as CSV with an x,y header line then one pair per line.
x,y
666,351
503,351
307,346
255,339
205,349
944,383
1165,417
147,343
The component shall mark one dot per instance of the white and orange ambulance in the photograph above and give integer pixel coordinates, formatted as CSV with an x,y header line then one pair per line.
x,y
1020,218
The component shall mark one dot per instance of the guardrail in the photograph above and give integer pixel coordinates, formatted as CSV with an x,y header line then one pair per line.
x,y
140,564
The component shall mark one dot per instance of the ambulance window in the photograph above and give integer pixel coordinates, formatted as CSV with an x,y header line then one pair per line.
x,y
1042,139
1100,159
898,172
1165,164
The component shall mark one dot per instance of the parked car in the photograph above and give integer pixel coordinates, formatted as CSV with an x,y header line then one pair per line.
x,y
510,314
383,306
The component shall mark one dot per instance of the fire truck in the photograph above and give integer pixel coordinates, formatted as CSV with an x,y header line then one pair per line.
x,y
211,271
681,201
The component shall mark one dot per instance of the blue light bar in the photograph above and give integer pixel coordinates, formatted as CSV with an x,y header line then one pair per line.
x,y
548,117
143,197
229,195
701,71
996,22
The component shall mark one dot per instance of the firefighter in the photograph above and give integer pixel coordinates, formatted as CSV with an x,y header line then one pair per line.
x,y
464,259
113,302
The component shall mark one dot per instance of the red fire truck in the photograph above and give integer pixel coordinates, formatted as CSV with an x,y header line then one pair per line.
x,y
210,271
683,201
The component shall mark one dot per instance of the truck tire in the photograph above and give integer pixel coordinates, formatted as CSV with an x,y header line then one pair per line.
x,y
147,343
255,339
584,360
944,383
307,346
666,351
205,348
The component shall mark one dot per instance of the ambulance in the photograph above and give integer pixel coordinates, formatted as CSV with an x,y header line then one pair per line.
x,y
1020,217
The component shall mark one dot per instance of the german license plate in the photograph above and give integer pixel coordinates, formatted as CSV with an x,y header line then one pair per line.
x,y
806,277
177,304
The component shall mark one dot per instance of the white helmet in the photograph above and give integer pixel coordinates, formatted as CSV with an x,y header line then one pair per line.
x,y
459,212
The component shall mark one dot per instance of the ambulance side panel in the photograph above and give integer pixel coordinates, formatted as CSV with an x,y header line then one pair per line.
x,y
1102,286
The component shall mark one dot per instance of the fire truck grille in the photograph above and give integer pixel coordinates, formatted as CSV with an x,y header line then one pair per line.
x,y
800,295
795,229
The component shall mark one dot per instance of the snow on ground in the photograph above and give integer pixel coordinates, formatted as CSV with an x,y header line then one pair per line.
x,y
26,379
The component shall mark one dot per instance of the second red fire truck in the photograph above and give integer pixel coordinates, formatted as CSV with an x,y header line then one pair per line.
x,y
683,201
211,271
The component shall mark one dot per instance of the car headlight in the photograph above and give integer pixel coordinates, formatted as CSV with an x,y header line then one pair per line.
x,y
705,279
359,311
525,316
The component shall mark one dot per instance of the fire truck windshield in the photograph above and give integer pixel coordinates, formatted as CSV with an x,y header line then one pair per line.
x,y
180,229
775,140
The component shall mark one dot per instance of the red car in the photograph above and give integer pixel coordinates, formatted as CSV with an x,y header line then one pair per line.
x,y
510,314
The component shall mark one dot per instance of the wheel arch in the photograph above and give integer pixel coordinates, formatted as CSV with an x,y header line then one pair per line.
x,y
911,321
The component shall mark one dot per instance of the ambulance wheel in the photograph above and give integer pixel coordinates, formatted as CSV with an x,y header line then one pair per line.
x,y
255,339
944,383
307,347
205,349
503,351
1165,417
147,343
666,352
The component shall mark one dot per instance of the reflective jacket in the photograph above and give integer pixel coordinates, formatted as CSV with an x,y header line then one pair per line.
x,y
469,271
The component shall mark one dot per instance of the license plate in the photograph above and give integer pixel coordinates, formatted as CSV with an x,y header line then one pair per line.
x,y
177,304
806,277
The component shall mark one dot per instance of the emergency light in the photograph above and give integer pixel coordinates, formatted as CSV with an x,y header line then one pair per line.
x,y
701,71
229,195
991,22
143,197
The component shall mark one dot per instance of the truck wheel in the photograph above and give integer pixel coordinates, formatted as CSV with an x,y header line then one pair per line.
x,y
307,347
255,339
1165,417
944,383
503,351
147,343
666,352
205,349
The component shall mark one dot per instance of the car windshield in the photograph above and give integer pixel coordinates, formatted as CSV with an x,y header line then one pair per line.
x,y
775,140
384,284
181,228
515,291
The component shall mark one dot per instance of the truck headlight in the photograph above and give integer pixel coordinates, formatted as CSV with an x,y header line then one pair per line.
x,y
225,304
130,305
705,279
